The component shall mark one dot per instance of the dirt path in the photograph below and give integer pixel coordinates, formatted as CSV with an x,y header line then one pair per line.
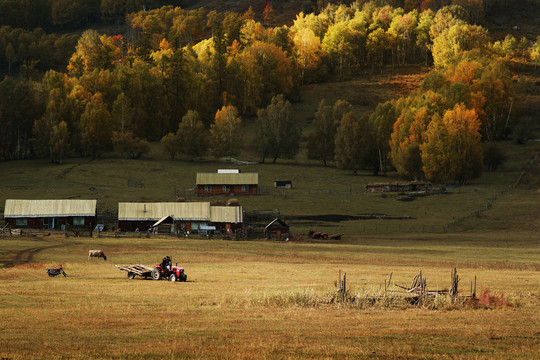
x,y
26,256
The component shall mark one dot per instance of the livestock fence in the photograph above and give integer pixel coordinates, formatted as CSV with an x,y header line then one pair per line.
x,y
491,200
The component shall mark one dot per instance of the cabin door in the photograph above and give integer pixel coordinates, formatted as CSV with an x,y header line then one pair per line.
x,y
50,222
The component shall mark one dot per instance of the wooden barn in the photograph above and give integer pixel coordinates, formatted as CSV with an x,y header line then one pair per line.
x,y
212,184
276,229
50,214
180,216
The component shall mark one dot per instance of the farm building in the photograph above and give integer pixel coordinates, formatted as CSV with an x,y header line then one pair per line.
x,y
277,229
283,184
398,187
50,214
227,218
165,225
208,184
180,216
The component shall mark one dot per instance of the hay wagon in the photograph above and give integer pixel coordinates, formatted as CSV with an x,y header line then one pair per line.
x,y
136,270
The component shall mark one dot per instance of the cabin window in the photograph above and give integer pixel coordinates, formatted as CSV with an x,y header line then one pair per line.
x,y
207,188
245,188
21,221
226,188
78,220
45,221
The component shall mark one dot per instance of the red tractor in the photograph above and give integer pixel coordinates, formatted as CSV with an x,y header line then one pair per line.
x,y
174,273
318,235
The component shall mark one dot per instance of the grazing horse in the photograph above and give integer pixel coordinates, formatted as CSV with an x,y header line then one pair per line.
x,y
96,254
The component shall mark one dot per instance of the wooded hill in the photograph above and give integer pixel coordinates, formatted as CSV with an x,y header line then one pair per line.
x,y
188,77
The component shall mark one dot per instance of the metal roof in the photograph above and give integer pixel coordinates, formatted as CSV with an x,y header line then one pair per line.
x,y
227,214
49,208
276,220
156,211
227,179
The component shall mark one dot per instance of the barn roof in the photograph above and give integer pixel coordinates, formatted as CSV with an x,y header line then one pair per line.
x,y
49,208
278,221
227,214
227,179
157,223
155,211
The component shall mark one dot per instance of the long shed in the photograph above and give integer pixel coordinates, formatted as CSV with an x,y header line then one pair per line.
x,y
208,184
186,216
141,216
50,214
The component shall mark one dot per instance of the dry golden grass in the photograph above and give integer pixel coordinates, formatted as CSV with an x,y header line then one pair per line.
x,y
258,300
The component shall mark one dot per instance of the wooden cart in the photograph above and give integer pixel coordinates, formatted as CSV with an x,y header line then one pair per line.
x,y
138,269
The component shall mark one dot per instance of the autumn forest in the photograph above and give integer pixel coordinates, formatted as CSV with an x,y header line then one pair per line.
x,y
191,79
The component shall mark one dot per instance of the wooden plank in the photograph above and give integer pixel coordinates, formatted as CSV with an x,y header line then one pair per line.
x,y
138,269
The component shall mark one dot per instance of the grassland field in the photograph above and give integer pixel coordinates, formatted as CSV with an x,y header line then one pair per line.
x,y
268,300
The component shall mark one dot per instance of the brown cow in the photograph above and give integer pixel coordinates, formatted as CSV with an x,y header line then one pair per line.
x,y
96,254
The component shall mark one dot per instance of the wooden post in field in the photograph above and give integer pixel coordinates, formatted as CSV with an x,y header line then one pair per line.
x,y
386,286
454,282
344,287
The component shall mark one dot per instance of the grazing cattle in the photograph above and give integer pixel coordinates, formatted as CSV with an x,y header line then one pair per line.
x,y
96,254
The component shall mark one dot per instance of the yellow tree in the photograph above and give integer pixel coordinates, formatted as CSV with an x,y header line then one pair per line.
x,y
337,43
225,132
457,39
307,50
451,151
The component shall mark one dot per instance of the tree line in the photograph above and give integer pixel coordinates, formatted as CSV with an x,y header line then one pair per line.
x,y
187,77
60,15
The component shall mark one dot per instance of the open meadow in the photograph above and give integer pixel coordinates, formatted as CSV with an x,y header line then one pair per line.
x,y
273,300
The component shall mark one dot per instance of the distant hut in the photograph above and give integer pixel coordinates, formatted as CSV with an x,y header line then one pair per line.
x,y
277,229
50,214
283,184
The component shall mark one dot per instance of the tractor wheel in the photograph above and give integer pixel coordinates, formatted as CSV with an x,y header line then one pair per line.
x,y
325,236
131,275
172,277
156,274
183,277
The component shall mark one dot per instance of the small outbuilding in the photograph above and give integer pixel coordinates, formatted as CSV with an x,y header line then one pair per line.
x,y
165,225
50,214
283,184
276,229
